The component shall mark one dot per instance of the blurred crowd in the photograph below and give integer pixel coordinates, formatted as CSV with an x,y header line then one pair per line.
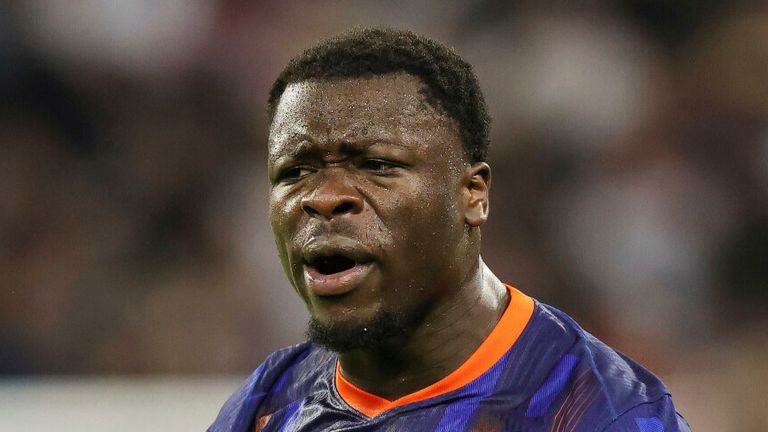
x,y
630,178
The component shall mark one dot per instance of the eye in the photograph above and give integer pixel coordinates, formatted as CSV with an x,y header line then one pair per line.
x,y
378,165
295,173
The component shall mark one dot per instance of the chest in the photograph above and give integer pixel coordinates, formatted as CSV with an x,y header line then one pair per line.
x,y
454,415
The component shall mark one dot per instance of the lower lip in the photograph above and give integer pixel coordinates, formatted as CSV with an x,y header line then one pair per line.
x,y
336,283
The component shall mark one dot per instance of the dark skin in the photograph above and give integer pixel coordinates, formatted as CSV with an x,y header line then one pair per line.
x,y
366,167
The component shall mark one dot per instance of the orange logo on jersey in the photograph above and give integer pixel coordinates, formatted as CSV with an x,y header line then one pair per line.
x,y
262,422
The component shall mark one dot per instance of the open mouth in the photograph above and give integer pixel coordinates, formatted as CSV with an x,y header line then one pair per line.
x,y
335,265
331,264
333,274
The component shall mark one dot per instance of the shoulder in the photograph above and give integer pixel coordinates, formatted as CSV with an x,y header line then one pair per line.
x,y
657,416
282,363
275,375
602,387
624,381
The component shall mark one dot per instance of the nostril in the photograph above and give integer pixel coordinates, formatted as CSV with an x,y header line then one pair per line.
x,y
345,207
310,210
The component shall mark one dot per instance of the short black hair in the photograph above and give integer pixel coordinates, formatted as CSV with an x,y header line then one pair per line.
x,y
382,50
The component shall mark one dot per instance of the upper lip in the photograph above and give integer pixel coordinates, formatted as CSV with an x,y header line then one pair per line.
x,y
319,247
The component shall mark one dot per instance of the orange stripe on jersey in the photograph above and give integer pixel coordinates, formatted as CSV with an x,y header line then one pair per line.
x,y
577,383
574,401
586,404
498,342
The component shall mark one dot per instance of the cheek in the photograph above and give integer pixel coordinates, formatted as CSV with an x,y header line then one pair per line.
x,y
282,213
426,220
282,219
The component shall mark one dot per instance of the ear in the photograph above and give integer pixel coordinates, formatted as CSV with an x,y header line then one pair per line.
x,y
477,184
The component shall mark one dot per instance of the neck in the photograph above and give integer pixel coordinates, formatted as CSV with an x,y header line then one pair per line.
x,y
445,339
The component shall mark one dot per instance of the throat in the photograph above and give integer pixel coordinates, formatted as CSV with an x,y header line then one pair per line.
x,y
391,375
439,346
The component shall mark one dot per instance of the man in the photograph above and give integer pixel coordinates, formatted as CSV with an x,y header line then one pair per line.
x,y
377,150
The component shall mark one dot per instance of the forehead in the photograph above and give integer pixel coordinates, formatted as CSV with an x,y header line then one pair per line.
x,y
391,106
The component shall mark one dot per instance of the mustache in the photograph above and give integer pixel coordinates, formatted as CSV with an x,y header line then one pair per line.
x,y
339,227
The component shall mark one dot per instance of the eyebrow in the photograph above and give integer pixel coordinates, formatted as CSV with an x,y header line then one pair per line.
x,y
307,146
300,139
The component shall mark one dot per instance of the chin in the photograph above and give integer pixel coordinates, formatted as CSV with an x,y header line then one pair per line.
x,y
343,336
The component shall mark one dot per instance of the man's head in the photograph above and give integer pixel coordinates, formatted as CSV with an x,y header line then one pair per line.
x,y
376,158
451,85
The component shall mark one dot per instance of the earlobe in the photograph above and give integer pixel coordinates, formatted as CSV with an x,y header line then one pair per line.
x,y
477,184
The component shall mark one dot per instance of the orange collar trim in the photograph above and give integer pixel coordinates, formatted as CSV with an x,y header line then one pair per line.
x,y
498,342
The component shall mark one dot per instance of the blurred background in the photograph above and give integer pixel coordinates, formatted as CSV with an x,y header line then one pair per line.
x,y
139,283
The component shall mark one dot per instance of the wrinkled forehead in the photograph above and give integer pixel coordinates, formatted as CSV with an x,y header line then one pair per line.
x,y
395,105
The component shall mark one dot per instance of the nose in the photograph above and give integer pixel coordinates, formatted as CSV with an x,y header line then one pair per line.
x,y
332,198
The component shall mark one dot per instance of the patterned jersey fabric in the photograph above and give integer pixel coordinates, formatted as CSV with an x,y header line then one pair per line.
x,y
536,371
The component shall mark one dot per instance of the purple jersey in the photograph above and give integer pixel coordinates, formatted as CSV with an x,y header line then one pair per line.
x,y
537,371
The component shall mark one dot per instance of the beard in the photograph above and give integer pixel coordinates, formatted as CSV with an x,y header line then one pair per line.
x,y
380,332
